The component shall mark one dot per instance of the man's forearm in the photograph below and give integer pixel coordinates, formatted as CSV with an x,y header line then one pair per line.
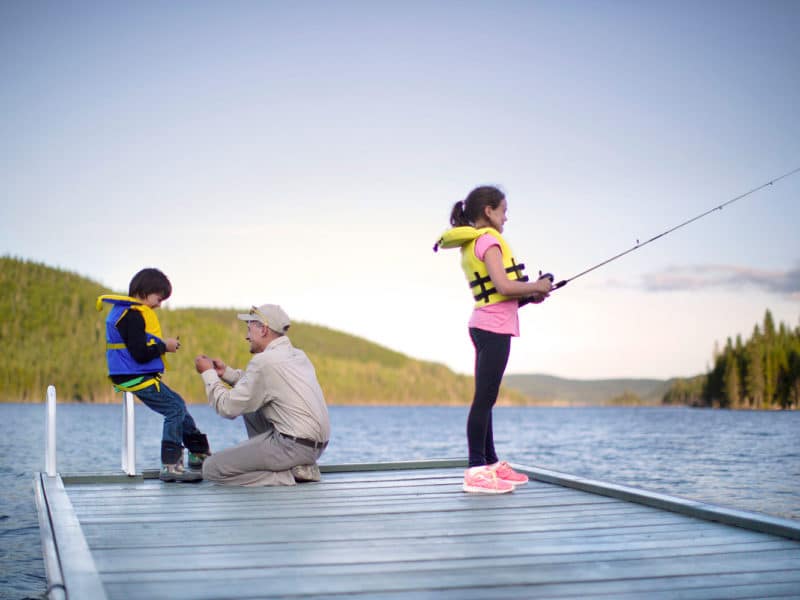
x,y
231,376
216,392
229,402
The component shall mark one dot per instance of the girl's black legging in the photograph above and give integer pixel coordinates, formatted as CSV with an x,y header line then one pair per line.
x,y
491,357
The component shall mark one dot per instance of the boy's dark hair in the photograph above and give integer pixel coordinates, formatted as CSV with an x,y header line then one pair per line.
x,y
466,212
150,281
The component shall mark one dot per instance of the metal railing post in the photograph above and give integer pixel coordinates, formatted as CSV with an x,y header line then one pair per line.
x,y
128,435
50,433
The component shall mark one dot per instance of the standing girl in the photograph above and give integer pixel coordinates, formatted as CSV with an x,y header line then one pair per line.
x,y
498,284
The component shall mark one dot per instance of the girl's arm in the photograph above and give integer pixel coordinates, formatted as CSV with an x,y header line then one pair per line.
x,y
512,287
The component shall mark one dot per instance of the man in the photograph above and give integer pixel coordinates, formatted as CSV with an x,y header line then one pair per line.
x,y
281,402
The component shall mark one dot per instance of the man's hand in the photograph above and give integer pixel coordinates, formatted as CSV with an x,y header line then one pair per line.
x,y
219,366
202,363
172,344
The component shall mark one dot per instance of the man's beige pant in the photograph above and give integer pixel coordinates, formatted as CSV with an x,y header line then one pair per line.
x,y
265,459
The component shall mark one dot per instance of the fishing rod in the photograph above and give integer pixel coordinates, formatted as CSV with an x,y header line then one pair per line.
x,y
638,245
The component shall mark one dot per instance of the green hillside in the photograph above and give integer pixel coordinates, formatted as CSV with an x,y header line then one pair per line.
x,y
51,333
550,390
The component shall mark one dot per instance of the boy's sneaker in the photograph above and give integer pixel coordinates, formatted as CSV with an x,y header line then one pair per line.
x,y
506,473
176,473
196,460
483,480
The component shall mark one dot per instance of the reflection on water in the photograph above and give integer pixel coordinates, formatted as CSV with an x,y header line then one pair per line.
x,y
745,460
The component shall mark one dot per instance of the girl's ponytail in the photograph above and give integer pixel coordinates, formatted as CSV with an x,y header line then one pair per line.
x,y
458,217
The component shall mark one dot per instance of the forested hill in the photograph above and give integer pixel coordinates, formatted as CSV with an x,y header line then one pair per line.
x,y
762,372
51,333
597,392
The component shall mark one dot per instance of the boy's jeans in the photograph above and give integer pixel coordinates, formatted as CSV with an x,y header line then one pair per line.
x,y
178,423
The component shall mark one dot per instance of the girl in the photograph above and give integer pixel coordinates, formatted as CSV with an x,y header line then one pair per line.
x,y
498,285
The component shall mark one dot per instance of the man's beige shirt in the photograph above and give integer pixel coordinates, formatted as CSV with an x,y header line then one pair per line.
x,y
281,383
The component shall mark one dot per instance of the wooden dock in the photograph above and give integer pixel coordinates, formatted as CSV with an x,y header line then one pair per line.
x,y
400,531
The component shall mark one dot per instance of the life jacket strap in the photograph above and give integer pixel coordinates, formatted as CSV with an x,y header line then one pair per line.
x,y
138,383
517,269
484,293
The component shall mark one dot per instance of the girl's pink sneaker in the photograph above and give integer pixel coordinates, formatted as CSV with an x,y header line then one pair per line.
x,y
505,473
484,480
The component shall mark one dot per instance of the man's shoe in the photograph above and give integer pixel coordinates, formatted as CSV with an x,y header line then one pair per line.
x,y
506,473
483,480
196,460
304,473
176,473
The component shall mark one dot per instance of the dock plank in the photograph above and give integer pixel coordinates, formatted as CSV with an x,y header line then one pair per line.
x,y
419,576
406,533
727,587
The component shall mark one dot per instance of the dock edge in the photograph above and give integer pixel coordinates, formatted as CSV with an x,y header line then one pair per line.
x,y
760,522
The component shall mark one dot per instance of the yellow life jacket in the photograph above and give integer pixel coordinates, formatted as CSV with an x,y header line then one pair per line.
x,y
483,291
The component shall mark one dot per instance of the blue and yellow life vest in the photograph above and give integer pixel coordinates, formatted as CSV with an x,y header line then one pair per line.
x,y
465,238
119,359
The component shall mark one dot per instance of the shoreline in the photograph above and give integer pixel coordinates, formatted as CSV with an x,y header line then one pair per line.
x,y
500,404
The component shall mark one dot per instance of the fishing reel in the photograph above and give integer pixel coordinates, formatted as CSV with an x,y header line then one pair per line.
x,y
549,276
539,300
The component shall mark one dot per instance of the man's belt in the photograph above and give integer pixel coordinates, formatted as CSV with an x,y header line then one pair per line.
x,y
305,442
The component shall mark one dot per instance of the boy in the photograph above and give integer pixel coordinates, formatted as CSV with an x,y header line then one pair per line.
x,y
134,352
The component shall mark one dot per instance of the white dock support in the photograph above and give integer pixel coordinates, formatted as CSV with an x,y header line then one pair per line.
x,y
128,435
50,433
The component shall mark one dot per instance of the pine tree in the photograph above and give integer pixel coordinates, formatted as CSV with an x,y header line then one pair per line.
x,y
754,383
770,360
769,326
732,383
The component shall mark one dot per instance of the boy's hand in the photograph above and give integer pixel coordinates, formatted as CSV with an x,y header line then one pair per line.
x,y
202,363
173,344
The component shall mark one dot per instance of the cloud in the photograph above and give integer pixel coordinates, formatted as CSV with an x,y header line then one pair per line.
x,y
698,277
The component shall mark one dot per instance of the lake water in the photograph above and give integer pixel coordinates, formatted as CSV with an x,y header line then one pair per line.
x,y
745,460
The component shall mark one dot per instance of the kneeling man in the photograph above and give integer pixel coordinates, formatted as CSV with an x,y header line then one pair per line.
x,y
281,403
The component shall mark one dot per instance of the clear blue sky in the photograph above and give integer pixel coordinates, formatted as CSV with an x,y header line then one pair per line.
x,y
309,154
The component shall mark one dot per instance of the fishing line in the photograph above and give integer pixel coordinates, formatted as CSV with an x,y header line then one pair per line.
x,y
564,282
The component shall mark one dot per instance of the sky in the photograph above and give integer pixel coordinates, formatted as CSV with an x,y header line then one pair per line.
x,y
309,153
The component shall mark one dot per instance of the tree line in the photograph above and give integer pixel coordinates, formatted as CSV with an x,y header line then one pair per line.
x,y
762,372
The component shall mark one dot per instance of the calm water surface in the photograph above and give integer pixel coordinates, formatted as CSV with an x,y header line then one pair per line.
x,y
745,460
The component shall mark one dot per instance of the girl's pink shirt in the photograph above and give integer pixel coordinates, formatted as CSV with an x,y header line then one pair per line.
x,y
501,317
